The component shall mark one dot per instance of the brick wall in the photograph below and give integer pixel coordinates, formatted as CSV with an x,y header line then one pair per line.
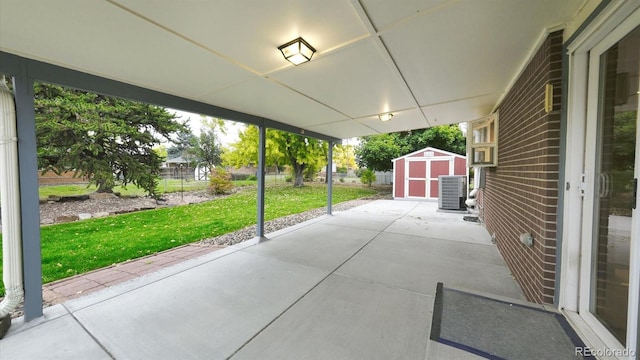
x,y
521,193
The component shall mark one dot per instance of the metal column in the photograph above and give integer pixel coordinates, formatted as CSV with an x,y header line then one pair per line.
x,y
329,177
260,175
29,199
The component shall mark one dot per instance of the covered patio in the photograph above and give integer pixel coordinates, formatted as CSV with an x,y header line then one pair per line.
x,y
418,63
356,285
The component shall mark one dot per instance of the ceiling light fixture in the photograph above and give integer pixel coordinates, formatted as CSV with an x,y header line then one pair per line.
x,y
385,117
297,51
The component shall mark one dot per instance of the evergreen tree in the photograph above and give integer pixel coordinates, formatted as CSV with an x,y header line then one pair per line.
x,y
109,140
208,151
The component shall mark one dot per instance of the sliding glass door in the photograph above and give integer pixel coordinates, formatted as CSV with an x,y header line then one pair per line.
x,y
610,218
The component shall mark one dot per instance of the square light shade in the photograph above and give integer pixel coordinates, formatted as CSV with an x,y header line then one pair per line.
x,y
297,51
385,117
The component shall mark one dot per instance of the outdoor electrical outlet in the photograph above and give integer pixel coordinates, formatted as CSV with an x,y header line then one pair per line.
x,y
526,239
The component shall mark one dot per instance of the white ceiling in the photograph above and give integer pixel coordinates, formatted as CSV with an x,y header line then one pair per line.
x,y
429,62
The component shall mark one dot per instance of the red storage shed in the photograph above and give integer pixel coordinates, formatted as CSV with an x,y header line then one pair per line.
x,y
415,175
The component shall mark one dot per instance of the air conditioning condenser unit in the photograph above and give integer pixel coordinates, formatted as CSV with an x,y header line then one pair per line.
x,y
452,192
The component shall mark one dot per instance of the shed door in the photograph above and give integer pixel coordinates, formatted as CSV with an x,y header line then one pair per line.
x,y
416,178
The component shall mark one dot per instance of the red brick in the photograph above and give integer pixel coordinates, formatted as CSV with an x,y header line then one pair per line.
x,y
521,193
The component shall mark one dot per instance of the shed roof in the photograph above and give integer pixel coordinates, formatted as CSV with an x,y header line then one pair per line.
x,y
429,148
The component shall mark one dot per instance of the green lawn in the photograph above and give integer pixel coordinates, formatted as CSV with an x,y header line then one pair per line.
x,y
74,248
165,186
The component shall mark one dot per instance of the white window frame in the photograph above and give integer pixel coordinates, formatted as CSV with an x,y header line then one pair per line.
x,y
490,123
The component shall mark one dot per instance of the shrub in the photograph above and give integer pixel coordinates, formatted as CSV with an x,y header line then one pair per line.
x,y
368,177
252,178
220,182
239,177
288,178
341,180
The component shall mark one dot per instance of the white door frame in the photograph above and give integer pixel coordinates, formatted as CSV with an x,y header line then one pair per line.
x,y
427,176
615,22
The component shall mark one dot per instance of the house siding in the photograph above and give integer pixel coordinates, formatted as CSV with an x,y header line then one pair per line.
x,y
521,193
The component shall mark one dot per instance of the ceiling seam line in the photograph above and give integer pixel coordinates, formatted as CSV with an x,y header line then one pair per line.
x,y
367,126
235,62
321,54
228,59
419,13
404,80
357,5
461,99
308,97
374,115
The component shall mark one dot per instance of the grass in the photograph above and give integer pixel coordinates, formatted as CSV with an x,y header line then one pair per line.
x,y
75,248
165,186
241,183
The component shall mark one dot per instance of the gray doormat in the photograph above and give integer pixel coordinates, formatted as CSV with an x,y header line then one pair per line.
x,y
496,329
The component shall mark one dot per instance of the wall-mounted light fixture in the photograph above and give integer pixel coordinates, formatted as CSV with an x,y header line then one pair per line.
x,y
297,51
548,98
385,117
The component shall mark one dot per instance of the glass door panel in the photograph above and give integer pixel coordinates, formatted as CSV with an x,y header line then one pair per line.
x,y
616,183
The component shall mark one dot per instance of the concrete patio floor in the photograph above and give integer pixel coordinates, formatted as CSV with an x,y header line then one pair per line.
x,y
356,285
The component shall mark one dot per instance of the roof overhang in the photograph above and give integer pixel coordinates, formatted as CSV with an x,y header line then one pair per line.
x,y
429,62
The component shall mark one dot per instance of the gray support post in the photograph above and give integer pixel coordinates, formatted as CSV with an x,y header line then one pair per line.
x,y
260,175
330,178
29,198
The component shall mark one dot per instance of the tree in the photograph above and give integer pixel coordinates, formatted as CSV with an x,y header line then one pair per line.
x,y
108,139
220,182
161,150
368,176
183,143
207,150
444,137
244,152
300,152
376,152
344,156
